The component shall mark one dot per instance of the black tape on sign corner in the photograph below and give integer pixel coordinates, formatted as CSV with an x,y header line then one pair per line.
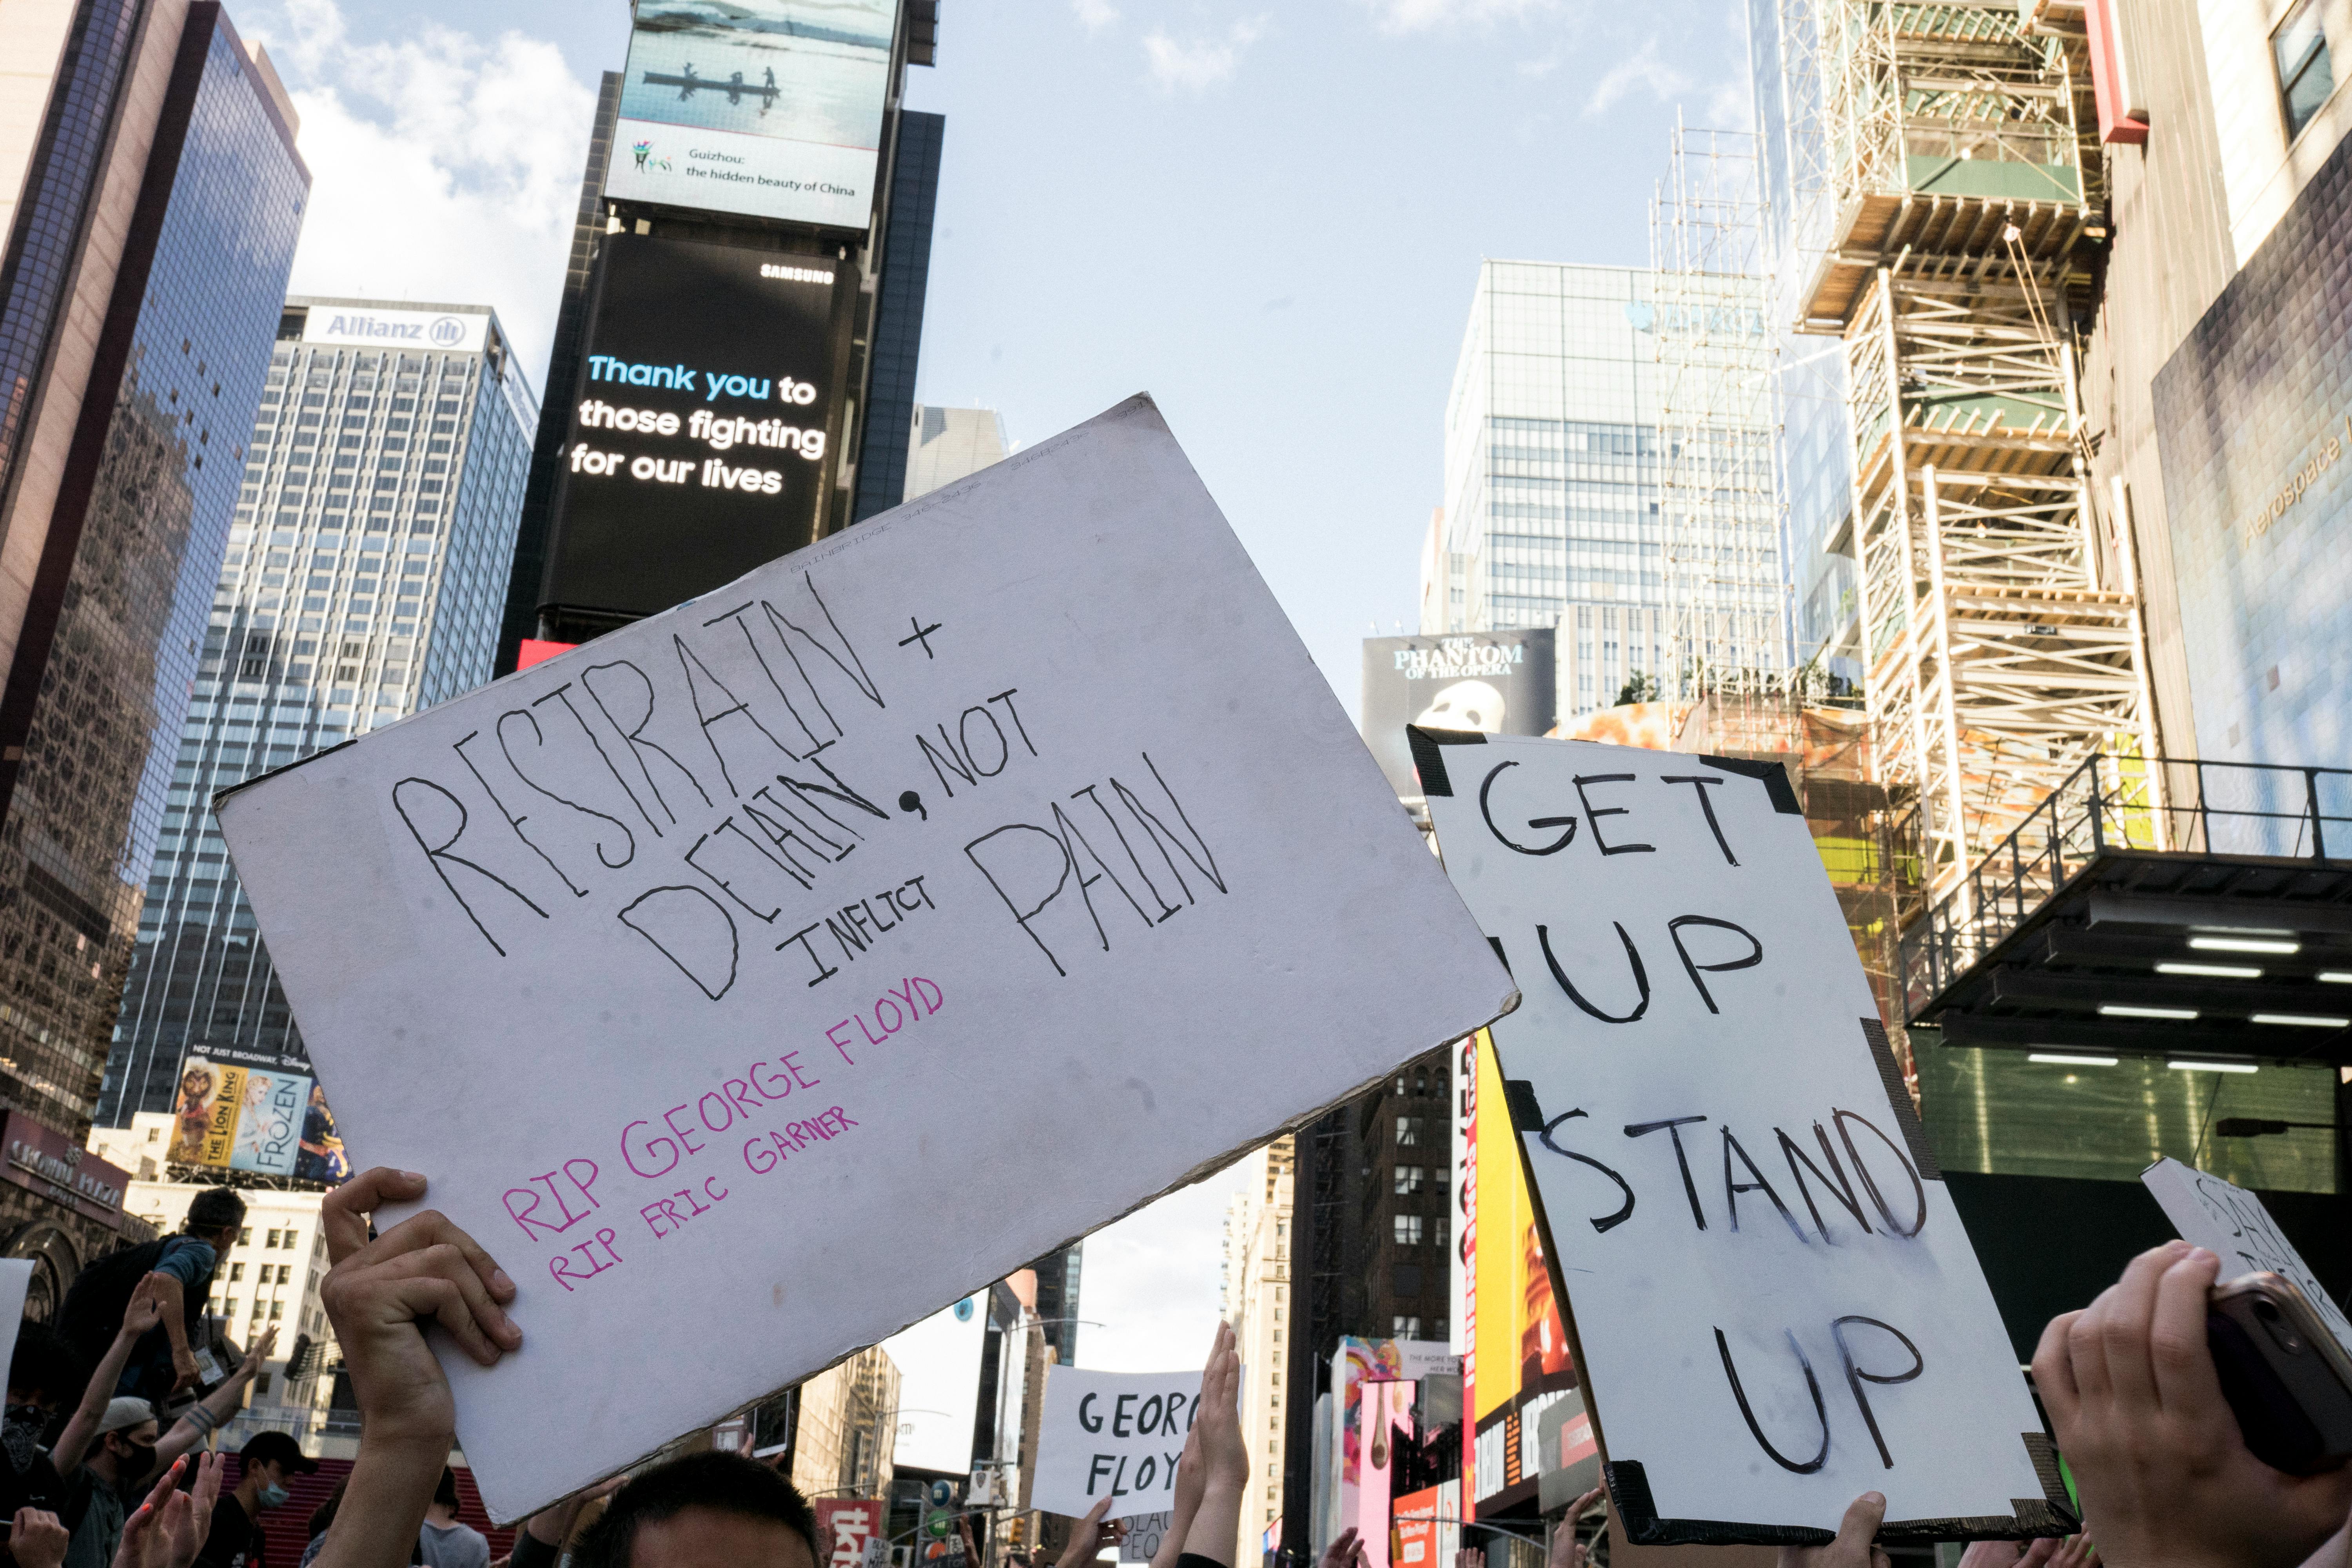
x,y
1637,1511
1428,748
1501,957
1527,1116
1898,1100
2032,1519
2044,1454
1776,781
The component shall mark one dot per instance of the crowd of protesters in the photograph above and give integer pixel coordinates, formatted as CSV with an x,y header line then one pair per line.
x,y
106,1441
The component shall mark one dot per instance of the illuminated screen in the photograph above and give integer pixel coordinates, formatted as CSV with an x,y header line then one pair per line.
x,y
769,108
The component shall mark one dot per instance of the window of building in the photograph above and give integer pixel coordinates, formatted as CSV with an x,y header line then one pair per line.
x,y
236,1273
1407,1229
1409,1131
271,1242
1404,1327
1409,1178
244,1236
232,1306
2299,48
277,1310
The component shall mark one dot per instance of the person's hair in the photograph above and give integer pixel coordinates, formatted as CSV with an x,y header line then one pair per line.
x,y
445,1493
727,1483
214,1209
44,1364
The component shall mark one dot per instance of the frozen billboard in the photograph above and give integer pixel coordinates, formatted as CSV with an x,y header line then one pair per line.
x,y
768,108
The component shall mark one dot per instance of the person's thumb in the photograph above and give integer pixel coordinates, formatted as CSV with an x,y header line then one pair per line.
x,y
1862,1518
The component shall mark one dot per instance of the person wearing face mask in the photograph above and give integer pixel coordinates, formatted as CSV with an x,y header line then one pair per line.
x,y
43,1374
109,1452
267,1462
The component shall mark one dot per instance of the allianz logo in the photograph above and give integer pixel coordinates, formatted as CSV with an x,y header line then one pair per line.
x,y
443,332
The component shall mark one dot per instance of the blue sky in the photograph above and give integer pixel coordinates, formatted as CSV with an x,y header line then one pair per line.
x,y
1269,217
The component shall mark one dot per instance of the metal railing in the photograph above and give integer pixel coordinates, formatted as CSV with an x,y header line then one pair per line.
x,y
2125,803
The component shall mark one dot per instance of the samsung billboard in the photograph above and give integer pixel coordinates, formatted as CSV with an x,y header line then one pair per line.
x,y
1497,682
768,108
701,427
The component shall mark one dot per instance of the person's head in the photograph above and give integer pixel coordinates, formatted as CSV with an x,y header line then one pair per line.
x,y
445,1493
44,1371
704,1508
216,1215
270,1459
126,1437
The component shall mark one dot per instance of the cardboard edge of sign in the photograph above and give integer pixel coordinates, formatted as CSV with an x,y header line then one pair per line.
x,y
2029,1519
1428,747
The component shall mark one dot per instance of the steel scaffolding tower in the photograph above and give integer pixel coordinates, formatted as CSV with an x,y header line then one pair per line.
x,y
2002,637
1725,594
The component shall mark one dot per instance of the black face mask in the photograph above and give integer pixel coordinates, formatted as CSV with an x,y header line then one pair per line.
x,y
20,1435
139,1461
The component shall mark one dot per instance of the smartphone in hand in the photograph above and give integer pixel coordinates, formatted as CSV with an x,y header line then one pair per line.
x,y
2285,1377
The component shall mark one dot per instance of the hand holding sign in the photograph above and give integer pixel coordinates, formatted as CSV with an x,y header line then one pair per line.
x,y
2163,1469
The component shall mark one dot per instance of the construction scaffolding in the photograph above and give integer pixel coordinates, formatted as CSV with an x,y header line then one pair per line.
x,y
2000,631
1725,591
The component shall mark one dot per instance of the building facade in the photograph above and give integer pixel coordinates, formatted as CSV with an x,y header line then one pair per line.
x,y
1556,478
1253,1295
364,580
157,197
849,1425
946,443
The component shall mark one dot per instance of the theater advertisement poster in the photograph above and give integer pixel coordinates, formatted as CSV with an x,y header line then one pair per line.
x,y
1519,1365
1499,683
240,1109
768,108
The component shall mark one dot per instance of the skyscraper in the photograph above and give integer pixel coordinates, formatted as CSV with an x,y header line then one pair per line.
x,y
365,576
946,443
152,212
1552,472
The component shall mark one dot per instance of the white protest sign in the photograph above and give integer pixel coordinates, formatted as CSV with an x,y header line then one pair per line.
x,y
1142,1543
15,1284
2230,1222
1002,860
1777,1304
1111,1433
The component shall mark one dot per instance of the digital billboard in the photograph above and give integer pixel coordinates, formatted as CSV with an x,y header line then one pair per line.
x,y
769,108
700,425
241,1109
1497,682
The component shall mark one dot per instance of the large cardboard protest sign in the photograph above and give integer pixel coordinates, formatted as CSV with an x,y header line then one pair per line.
x,y
1114,1435
2235,1225
1000,863
1776,1305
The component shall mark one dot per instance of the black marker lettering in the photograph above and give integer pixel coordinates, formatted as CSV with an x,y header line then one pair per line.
x,y
1593,814
639,744
1633,956
1838,1185
1603,1223
1731,1189
1673,1130
437,853
1812,1385
1754,953
539,739
1021,916
1699,783
1856,1376
682,927
1486,811
513,820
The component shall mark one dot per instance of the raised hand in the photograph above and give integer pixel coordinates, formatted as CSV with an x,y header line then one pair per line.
x,y
37,1540
145,1309
1216,1530
1567,1552
251,1366
380,1293
1089,1534
1348,1551
2162,1469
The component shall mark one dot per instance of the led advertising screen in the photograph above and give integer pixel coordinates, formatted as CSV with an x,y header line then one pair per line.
x,y
1497,682
699,428
769,108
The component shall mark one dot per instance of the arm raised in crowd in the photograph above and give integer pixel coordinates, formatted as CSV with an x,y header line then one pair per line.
x,y
145,1307
2165,1476
218,1406
169,1529
380,1294
1215,1530
1186,1503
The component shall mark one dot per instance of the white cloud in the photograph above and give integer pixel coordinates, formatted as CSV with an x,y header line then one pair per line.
x,y
1196,65
1643,69
1094,14
445,166
1150,1287
1412,15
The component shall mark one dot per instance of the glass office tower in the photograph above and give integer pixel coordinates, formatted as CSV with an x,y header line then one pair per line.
x,y
1553,474
365,575
156,221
